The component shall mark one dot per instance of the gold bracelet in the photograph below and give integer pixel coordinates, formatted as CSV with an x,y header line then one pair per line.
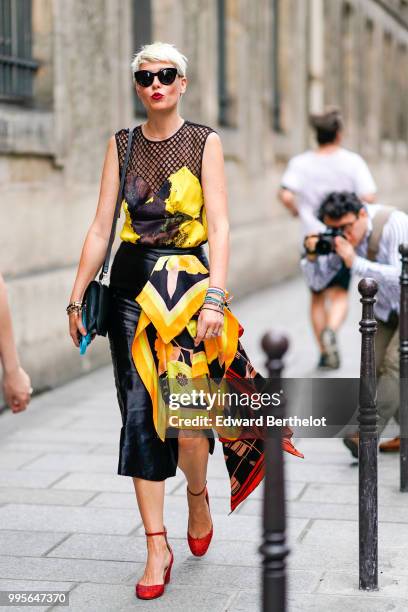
x,y
76,310
74,307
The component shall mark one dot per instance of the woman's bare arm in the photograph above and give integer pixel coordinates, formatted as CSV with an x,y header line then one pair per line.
x,y
97,238
215,201
16,383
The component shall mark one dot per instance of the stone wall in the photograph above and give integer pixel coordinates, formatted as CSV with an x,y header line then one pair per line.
x,y
51,157
52,150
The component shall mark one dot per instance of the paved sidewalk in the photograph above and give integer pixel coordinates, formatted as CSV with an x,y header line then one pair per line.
x,y
68,521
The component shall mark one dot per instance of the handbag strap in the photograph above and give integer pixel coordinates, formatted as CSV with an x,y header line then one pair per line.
x,y
379,221
116,214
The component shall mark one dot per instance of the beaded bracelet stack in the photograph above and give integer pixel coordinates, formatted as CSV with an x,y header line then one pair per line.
x,y
215,299
74,307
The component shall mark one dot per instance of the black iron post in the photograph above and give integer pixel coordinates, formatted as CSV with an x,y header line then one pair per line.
x,y
403,333
368,440
273,548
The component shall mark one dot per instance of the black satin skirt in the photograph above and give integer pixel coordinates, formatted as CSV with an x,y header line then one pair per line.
x,y
142,453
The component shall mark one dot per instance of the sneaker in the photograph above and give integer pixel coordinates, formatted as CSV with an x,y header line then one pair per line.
x,y
352,444
323,362
330,349
391,446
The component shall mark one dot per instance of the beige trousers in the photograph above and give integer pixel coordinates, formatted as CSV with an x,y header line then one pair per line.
x,y
387,366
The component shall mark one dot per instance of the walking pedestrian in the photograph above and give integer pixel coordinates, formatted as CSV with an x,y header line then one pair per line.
x,y
169,317
308,178
369,247
16,383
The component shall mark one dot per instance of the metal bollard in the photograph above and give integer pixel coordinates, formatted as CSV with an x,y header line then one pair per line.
x,y
403,333
368,440
273,548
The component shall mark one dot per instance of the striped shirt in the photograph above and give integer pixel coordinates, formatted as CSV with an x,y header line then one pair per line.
x,y
385,270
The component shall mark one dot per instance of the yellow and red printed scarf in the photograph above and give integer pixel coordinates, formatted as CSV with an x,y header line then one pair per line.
x,y
165,356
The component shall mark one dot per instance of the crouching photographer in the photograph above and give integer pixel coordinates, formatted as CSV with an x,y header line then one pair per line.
x,y
366,240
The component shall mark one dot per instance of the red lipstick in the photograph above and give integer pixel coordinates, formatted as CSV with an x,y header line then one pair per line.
x,y
157,96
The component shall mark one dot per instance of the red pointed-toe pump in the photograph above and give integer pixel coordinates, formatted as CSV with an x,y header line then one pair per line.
x,y
199,546
152,591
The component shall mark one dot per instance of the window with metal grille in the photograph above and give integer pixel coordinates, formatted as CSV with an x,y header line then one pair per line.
x,y
228,69
222,65
17,67
142,34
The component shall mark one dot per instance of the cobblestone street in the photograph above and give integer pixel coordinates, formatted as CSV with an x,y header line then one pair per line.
x,y
69,522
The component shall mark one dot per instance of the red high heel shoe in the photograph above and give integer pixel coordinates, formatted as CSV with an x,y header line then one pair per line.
x,y
199,546
152,591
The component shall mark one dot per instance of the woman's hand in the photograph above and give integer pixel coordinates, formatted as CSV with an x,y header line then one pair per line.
x,y
209,325
17,389
76,326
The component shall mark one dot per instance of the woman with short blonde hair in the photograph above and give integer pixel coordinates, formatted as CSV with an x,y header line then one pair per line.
x,y
170,322
159,52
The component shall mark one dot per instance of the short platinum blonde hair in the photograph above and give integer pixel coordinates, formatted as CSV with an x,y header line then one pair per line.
x,y
159,52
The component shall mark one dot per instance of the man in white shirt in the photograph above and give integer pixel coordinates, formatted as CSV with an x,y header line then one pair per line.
x,y
368,247
308,178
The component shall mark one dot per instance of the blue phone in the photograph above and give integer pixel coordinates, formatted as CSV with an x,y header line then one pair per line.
x,y
85,340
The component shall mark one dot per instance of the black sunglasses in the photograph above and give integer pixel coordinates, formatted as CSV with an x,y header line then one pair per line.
x,y
166,76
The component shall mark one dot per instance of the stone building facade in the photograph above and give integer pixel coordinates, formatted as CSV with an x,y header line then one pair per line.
x,y
256,70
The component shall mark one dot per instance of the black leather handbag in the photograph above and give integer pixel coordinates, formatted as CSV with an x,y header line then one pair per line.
x,y
96,300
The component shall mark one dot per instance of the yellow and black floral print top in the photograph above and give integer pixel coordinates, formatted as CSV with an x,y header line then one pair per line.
x,y
163,200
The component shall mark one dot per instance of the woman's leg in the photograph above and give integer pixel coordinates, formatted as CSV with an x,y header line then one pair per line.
x,y
193,449
150,499
141,452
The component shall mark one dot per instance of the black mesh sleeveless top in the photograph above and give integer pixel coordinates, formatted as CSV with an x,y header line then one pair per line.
x,y
163,200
